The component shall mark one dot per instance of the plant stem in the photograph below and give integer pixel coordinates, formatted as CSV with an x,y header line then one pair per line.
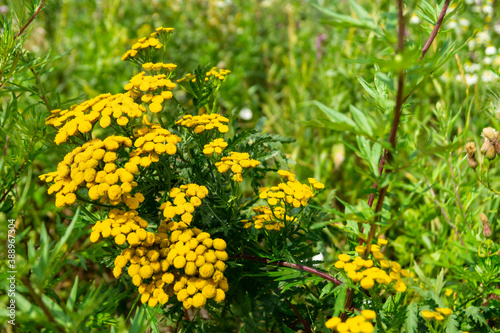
x,y
436,29
307,328
30,20
42,91
289,264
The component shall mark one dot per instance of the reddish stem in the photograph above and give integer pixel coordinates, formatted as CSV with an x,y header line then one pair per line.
x,y
30,20
436,29
304,322
289,264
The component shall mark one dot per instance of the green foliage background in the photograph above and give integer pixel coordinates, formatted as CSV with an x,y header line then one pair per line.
x,y
305,92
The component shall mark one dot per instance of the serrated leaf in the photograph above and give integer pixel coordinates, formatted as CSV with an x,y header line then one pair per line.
x,y
411,322
474,313
452,324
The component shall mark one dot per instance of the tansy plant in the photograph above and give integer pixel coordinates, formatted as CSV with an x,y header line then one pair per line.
x,y
174,190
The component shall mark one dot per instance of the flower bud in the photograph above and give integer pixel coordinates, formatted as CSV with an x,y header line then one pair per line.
x,y
473,163
486,225
489,133
491,153
496,144
470,148
486,146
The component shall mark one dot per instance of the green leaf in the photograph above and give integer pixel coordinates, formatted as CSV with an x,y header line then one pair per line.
x,y
411,322
474,313
452,324
363,122
287,329
137,325
339,120
72,295
340,300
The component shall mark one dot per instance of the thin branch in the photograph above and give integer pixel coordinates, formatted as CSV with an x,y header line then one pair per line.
x,y
30,20
304,322
436,29
289,264
42,91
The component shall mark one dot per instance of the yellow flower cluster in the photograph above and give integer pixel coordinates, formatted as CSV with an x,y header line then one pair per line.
x,y
151,142
355,324
159,67
177,260
366,273
204,122
93,165
119,108
152,90
236,162
281,198
185,199
216,146
267,217
292,192
214,72
124,226
438,315
145,44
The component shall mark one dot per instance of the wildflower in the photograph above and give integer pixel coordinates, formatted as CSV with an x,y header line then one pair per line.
x,y
199,124
486,225
471,154
428,314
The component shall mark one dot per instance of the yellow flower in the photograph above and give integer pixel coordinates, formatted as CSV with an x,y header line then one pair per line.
x,y
332,323
220,295
344,257
445,311
206,270
400,286
368,314
428,314
199,300
367,283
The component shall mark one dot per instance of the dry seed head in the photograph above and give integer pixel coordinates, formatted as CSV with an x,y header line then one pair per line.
x,y
490,134
486,225
470,148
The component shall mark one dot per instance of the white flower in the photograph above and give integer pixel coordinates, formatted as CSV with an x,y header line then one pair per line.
x,y
483,37
488,76
452,24
414,19
471,79
246,114
490,50
487,9
487,61
464,22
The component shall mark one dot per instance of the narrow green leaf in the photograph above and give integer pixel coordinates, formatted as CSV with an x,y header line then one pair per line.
x,y
361,119
340,120
70,304
340,300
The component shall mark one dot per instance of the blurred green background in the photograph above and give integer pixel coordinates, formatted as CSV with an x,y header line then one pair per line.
x,y
283,56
